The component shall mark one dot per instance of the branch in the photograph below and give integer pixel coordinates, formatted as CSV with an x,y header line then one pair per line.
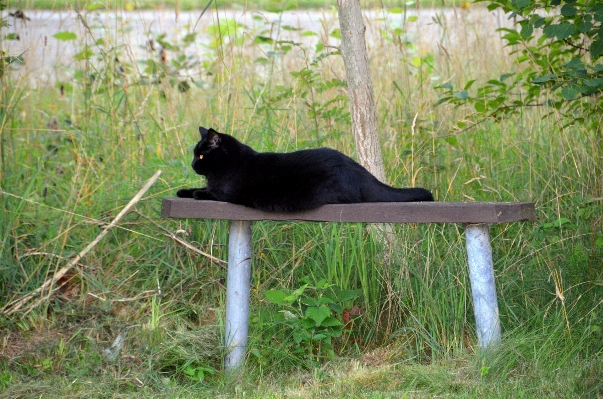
x,y
13,307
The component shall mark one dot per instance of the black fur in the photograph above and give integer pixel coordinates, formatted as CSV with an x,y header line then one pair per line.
x,y
286,182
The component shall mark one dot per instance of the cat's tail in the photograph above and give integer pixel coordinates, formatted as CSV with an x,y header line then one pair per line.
x,y
386,193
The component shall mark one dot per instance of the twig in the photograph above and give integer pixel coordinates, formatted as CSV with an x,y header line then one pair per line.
x,y
15,306
190,246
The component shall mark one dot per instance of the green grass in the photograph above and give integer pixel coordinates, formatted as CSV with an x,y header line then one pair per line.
x,y
73,157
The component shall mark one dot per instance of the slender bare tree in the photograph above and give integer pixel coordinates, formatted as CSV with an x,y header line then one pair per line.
x,y
362,101
360,87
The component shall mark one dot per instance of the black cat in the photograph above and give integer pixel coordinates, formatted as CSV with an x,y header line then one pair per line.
x,y
286,182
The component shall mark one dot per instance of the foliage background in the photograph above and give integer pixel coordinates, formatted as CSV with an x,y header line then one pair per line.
x,y
75,151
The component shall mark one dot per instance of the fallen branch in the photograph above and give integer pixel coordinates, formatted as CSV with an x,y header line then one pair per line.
x,y
48,285
185,243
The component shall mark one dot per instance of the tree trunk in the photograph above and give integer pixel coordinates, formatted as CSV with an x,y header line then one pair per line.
x,y
360,87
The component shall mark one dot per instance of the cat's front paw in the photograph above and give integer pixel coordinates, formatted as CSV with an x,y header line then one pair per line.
x,y
186,193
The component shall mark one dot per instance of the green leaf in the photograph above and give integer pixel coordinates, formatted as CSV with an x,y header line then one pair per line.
x,y
522,3
526,30
560,222
463,95
596,48
263,39
412,18
318,314
505,76
301,336
569,92
544,79
347,295
452,140
395,10
276,296
565,30
64,36
442,100
599,241
585,26
480,106
594,82
568,10
331,322
319,337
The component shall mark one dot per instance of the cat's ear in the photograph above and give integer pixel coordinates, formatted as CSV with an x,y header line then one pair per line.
x,y
213,139
203,132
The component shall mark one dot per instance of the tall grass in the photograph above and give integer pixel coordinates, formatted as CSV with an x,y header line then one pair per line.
x,y
74,153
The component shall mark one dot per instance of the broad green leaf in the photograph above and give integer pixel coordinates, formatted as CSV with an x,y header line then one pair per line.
x,y
318,314
275,296
565,30
569,93
412,18
568,10
526,30
480,106
331,322
537,20
594,82
585,26
64,36
395,10
347,295
596,48
319,337
574,63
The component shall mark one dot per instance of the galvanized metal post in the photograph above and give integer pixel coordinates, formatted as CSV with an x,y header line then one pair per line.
x,y
483,288
237,294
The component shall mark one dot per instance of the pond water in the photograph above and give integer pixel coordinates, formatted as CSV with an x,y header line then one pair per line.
x,y
133,35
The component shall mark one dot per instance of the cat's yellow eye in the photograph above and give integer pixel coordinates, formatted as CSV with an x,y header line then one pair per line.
x,y
201,156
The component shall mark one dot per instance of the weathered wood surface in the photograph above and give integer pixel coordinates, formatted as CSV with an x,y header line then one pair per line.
x,y
382,212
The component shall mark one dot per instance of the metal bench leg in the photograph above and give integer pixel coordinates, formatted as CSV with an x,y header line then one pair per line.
x,y
237,294
483,289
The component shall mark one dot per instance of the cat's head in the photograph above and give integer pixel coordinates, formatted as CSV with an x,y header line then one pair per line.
x,y
207,151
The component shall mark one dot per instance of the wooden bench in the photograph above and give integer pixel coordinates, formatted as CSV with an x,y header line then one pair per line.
x,y
475,216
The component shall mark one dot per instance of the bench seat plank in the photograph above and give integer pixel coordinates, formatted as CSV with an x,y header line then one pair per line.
x,y
379,212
